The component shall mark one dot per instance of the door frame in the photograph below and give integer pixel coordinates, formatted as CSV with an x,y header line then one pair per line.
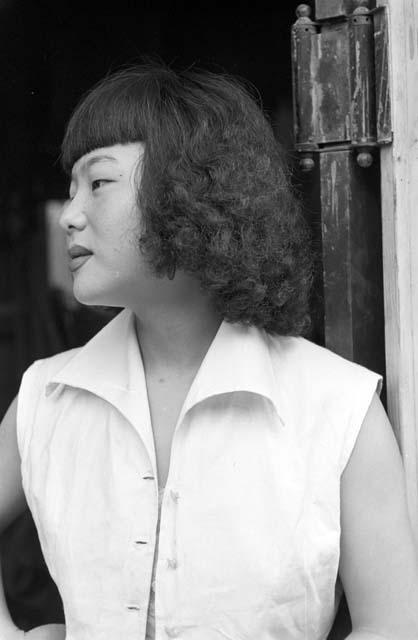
x,y
399,189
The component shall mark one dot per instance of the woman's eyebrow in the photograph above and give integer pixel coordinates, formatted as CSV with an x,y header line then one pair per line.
x,y
95,160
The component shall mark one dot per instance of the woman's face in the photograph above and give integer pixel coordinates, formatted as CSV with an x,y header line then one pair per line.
x,y
102,217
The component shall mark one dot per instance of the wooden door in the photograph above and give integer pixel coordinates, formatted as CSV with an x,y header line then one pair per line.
x,y
341,118
355,76
355,72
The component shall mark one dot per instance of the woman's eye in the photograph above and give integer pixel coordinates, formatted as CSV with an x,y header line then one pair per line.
x,y
96,184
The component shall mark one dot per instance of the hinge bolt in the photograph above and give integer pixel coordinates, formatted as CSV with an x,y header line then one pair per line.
x,y
364,159
303,11
306,163
361,7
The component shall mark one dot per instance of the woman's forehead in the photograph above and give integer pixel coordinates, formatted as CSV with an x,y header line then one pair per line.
x,y
121,155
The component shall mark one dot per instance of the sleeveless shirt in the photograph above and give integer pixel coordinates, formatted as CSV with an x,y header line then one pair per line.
x,y
250,520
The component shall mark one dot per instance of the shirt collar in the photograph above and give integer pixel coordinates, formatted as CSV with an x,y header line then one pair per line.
x,y
107,361
110,366
238,360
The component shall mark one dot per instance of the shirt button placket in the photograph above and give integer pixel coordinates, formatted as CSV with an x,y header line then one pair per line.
x,y
170,584
140,542
172,562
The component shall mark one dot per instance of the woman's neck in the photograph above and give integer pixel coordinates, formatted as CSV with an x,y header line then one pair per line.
x,y
176,336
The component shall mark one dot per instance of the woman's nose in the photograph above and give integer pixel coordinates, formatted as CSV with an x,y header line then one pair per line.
x,y
72,216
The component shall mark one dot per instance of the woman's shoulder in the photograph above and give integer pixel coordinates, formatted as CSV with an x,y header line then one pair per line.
x,y
325,396
297,350
33,391
42,369
316,366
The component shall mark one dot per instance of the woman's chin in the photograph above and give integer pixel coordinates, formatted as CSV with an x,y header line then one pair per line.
x,y
94,298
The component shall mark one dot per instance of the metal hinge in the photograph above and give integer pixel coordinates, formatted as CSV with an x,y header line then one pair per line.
x,y
340,80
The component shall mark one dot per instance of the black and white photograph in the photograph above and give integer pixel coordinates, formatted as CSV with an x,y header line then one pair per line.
x,y
209,320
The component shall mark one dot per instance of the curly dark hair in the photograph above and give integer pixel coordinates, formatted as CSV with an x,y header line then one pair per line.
x,y
214,193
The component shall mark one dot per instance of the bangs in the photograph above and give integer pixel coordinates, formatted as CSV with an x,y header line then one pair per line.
x,y
111,113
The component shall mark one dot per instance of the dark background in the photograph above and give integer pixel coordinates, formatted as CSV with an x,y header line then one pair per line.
x,y
51,52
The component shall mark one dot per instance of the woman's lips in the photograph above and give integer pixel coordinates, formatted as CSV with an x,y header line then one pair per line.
x,y
76,263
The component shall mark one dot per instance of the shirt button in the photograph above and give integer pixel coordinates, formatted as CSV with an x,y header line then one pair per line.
x,y
172,563
174,495
172,632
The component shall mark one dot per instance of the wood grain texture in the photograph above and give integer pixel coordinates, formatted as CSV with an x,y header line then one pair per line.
x,y
399,166
352,258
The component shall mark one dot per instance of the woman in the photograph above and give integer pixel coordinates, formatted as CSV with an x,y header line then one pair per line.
x,y
201,395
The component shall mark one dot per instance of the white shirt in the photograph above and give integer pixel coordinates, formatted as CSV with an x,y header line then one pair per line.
x,y
250,523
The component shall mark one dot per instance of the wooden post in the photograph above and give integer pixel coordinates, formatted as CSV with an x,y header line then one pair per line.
x,y
335,116
351,258
399,170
